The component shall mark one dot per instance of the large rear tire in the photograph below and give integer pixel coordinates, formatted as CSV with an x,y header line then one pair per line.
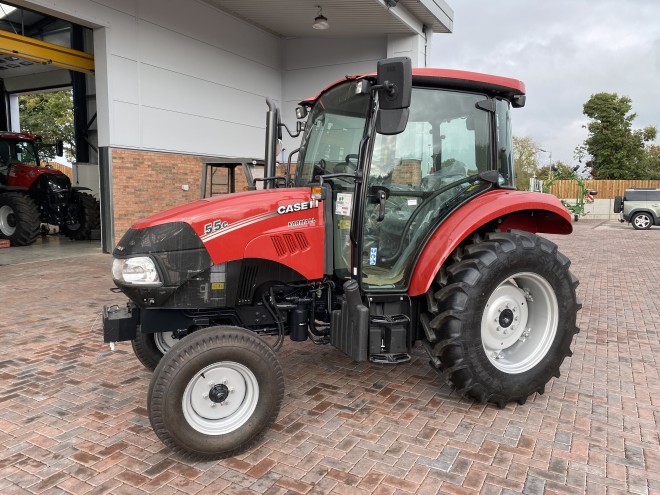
x,y
215,393
505,317
87,214
149,348
19,219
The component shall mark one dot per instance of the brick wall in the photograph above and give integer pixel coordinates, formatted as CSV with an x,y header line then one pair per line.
x,y
147,182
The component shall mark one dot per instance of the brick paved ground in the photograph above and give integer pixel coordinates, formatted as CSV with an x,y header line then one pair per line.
x,y
73,418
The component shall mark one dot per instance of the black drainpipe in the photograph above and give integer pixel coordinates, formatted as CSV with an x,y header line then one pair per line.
x,y
272,131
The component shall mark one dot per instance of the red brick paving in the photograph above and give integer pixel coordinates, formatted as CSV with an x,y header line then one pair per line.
x,y
73,417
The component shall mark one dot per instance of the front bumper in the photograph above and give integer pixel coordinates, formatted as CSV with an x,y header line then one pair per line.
x,y
120,323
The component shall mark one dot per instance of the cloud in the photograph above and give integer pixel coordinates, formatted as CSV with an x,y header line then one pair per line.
x,y
564,51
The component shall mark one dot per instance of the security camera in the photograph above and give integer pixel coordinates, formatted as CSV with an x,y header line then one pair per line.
x,y
391,3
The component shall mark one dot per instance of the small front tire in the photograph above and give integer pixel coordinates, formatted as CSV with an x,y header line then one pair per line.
x,y
149,348
215,393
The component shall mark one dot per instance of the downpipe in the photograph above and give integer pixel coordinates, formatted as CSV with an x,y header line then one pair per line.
x,y
272,131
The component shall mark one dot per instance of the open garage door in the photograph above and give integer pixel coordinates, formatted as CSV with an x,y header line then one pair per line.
x,y
40,53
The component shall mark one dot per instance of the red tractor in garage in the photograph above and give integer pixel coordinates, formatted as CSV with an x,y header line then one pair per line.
x,y
32,194
401,226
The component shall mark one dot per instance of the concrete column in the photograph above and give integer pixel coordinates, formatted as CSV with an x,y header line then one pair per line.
x,y
14,114
415,46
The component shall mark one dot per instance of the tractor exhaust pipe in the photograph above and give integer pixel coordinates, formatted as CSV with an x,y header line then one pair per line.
x,y
272,136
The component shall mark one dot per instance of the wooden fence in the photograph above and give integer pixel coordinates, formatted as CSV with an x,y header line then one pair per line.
x,y
62,168
607,189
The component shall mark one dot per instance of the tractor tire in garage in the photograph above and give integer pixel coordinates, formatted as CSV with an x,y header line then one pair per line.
x,y
505,317
87,211
19,219
215,393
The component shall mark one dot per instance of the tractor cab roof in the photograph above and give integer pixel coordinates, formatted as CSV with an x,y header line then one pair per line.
x,y
449,79
22,136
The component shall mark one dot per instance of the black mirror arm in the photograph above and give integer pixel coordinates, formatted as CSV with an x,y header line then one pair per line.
x,y
281,124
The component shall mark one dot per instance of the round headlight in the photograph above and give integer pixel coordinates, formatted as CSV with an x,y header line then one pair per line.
x,y
140,270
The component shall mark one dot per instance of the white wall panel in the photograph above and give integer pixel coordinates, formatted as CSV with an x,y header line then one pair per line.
x,y
127,83
126,124
179,53
184,136
205,24
161,88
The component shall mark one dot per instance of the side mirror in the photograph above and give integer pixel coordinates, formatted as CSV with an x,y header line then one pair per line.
x,y
394,85
394,78
59,147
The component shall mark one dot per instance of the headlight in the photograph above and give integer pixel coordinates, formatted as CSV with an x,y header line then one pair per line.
x,y
57,187
139,270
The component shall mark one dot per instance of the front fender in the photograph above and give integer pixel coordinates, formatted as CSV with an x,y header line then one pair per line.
x,y
530,211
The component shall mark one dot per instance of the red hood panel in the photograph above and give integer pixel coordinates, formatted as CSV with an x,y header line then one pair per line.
x,y
24,175
282,225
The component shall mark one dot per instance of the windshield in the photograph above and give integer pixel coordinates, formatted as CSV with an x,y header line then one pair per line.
x,y
333,133
17,151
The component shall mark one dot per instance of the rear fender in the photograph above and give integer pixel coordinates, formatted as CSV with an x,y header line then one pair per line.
x,y
505,210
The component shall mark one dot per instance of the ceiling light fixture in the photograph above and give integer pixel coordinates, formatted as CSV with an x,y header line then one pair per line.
x,y
320,21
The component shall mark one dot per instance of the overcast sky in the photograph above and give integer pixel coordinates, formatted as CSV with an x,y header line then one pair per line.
x,y
564,51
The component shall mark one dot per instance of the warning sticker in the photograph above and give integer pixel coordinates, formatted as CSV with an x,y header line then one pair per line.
x,y
344,204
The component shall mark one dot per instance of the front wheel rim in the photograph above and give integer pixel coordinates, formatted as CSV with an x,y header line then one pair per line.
x,y
519,323
7,220
220,398
164,341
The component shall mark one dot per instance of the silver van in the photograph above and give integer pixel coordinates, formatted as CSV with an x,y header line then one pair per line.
x,y
640,206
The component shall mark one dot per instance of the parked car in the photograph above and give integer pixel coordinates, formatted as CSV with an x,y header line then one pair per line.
x,y
640,207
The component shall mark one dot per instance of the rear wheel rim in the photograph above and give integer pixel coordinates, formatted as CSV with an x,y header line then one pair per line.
x,y
220,398
642,221
519,323
7,220
164,341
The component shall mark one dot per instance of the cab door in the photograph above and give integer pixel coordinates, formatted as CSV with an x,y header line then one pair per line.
x,y
416,178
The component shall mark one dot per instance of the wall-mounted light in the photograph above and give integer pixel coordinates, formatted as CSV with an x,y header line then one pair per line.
x,y
320,21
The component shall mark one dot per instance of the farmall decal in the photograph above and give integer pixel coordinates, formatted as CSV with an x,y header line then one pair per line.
x,y
307,205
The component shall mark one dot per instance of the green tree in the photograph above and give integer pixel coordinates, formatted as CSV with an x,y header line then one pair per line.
x,y
525,151
545,173
51,116
613,150
652,162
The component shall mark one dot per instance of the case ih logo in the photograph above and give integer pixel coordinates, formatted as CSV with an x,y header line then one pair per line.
x,y
307,205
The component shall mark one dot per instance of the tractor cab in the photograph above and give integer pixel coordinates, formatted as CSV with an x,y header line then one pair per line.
x,y
389,190
395,157
16,149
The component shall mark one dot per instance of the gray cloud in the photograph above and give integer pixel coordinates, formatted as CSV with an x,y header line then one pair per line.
x,y
564,51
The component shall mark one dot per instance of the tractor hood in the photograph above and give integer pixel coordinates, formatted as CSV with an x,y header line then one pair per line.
x,y
281,225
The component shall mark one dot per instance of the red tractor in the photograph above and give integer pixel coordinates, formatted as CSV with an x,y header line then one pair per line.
x,y
400,226
32,194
